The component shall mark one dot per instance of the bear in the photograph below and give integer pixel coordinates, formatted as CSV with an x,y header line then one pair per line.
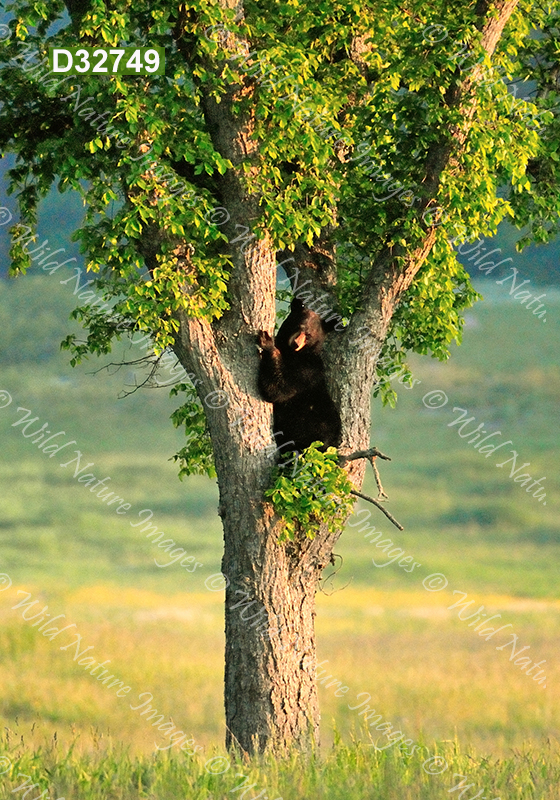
x,y
292,378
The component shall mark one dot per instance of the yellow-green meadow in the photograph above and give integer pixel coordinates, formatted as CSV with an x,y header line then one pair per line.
x,y
386,642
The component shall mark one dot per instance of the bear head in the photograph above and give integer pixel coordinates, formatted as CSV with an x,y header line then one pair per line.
x,y
303,330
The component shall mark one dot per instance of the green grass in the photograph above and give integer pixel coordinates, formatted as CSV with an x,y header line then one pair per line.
x,y
380,631
346,771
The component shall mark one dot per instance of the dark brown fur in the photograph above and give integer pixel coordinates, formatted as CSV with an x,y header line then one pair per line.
x,y
292,378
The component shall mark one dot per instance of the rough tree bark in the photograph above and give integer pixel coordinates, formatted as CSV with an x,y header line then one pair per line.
x,y
270,691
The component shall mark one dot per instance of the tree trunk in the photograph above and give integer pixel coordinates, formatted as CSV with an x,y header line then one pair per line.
x,y
270,691
270,687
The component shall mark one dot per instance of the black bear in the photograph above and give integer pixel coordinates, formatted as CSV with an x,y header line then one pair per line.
x,y
292,378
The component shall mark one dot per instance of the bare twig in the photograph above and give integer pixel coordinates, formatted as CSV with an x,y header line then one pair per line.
x,y
371,455
379,506
381,491
373,452
144,360
151,360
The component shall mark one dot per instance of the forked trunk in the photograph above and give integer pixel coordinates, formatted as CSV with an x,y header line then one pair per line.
x,y
270,692
270,687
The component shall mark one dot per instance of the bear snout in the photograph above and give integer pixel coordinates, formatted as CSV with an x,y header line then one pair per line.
x,y
298,340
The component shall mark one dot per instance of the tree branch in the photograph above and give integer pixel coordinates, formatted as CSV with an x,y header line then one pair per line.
x,y
387,281
372,452
380,507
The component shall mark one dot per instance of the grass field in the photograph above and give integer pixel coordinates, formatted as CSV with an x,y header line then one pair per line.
x,y
379,630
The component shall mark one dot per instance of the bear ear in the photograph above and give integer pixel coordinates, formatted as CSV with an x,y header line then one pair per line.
x,y
296,306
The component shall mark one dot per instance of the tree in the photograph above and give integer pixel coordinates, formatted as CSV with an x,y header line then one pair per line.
x,y
351,144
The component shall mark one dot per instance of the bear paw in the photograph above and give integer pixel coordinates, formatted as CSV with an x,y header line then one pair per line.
x,y
265,341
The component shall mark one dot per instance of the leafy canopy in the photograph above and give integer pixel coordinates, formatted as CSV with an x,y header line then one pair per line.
x,y
347,101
